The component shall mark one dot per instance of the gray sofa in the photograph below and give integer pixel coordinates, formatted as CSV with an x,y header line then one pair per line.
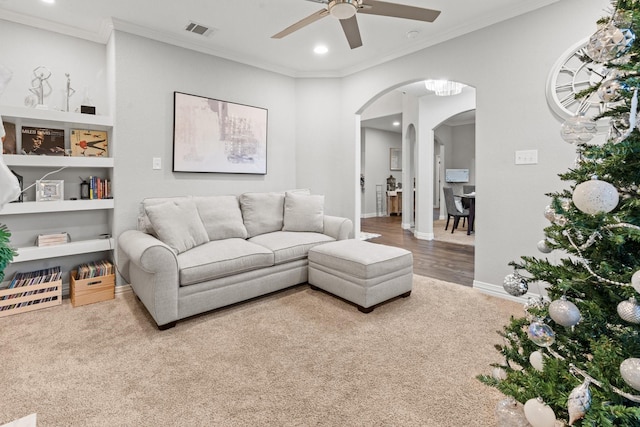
x,y
193,254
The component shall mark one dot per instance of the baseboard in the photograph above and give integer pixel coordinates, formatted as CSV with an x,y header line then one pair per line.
x,y
124,289
369,215
423,236
499,292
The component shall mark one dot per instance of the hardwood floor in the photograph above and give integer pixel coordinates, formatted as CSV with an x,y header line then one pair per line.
x,y
440,260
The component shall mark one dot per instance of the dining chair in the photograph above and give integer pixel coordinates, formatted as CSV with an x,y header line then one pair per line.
x,y
452,210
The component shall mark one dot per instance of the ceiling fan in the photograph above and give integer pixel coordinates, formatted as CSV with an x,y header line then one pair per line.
x,y
345,11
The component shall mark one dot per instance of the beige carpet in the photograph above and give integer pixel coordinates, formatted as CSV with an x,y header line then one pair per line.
x,y
295,358
459,236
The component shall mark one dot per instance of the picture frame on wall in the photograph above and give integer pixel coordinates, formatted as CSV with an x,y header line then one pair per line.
x,y
395,159
49,190
210,135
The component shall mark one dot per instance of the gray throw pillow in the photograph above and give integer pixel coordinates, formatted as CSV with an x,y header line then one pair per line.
x,y
178,224
221,217
262,212
303,213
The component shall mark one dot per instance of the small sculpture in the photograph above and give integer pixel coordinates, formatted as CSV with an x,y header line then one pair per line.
x,y
69,92
391,183
40,87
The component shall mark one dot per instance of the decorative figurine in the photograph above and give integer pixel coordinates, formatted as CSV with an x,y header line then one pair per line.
x,y
40,88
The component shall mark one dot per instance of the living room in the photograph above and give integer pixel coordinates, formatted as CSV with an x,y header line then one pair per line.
x,y
313,128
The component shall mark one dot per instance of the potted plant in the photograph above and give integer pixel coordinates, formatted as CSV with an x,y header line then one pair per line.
x,y
6,252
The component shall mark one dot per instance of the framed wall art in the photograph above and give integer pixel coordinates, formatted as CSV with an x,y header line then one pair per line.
x,y
49,190
210,135
395,159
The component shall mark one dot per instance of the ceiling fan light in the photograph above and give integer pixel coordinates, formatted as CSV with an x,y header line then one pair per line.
x,y
444,87
343,9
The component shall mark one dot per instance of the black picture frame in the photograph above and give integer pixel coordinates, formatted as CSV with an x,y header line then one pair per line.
x,y
215,136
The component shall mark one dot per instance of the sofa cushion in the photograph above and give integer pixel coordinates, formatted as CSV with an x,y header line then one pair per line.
x,y
303,213
177,224
221,216
262,212
144,223
222,258
288,245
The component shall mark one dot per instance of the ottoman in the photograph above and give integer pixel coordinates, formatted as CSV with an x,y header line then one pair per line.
x,y
361,272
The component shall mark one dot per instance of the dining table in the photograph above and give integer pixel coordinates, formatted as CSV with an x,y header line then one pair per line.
x,y
470,200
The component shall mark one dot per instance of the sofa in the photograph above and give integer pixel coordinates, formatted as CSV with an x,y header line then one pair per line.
x,y
193,254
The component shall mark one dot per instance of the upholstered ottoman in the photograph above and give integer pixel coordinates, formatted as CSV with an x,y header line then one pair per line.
x,y
362,272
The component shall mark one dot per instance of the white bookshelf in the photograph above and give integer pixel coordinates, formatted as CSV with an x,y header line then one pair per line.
x,y
22,218
31,253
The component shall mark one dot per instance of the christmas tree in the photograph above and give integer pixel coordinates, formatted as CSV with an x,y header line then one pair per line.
x,y
574,356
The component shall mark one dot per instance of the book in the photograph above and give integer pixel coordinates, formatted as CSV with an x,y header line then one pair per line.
x,y
52,239
89,143
42,141
9,143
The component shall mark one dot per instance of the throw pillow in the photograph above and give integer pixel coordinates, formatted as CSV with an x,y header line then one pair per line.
x,y
303,213
262,212
221,217
178,224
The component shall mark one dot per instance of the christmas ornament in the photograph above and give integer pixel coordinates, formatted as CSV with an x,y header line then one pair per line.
x,y
549,213
611,87
510,413
515,284
564,312
541,334
618,129
629,311
499,374
630,371
609,42
537,360
579,402
578,129
542,247
595,196
635,281
539,414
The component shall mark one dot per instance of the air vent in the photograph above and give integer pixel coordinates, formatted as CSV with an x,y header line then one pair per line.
x,y
199,29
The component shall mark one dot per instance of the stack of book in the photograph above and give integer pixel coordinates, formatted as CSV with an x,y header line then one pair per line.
x,y
94,269
52,239
99,188
32,278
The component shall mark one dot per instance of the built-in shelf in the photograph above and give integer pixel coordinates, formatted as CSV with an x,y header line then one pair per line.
x,y
57,161
56,206
54,118
32,253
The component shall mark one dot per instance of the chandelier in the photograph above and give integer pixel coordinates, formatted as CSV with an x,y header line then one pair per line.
x,y
444,87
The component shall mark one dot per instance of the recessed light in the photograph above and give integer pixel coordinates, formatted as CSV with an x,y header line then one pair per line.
x,y
413,34
321,49
49,1
396,123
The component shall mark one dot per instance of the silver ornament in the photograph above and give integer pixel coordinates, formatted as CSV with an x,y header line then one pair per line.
x,y
515,285
541,334
510,413
595,196
499,374
549,213
635,281
542,247
609,42
578,129
579,402
564,312
630,372
629,311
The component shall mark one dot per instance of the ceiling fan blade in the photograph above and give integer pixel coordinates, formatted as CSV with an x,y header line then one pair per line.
x,y
351,30
375,7
302,23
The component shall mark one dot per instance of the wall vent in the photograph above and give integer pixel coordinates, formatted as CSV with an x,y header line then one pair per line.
x,y
199,29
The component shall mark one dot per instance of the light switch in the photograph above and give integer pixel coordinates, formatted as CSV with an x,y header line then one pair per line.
x,y
157,163
526,157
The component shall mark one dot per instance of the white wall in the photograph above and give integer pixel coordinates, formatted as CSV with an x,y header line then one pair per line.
x,y
147,74
508,64
24,48
377,166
